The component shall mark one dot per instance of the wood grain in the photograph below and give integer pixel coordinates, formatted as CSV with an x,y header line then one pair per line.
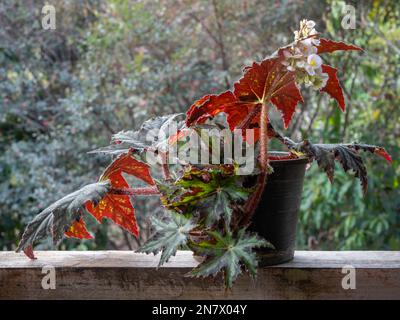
x,y
128,275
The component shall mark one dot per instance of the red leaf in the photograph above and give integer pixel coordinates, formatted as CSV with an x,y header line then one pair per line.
x,y
119,209
382,152
286,99
126,163
327,45
116,207
173,139
270,80
261,83
29,252
333,87
78,230
209,106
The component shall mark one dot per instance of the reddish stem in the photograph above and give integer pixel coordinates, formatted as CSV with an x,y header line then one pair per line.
x,y
255,198
143,191
164,166
249,118
264,138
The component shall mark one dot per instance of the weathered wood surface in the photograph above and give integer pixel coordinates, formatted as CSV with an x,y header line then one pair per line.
x,y
128,275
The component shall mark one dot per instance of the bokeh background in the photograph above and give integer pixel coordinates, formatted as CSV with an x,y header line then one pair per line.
x,y
110,65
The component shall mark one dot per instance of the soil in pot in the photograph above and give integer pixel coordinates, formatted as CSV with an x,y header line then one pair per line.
x,y
277,214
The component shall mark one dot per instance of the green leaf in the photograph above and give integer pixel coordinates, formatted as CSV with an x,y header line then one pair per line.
x,y
214,189
220,204
228,253
170,235
59,217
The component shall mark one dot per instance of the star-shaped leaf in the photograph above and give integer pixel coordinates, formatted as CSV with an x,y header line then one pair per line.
x,y
171,234
228,253
214,190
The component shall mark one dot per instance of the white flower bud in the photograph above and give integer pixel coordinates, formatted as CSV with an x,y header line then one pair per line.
x,y
310,24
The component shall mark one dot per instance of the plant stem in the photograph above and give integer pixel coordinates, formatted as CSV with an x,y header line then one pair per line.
x,y
144,191
247,121
165,166
264,138
255,198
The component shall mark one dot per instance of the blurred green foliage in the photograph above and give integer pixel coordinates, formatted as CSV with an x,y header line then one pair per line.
x,y
338,216
109,65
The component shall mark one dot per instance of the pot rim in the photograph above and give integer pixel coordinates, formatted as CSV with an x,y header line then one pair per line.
x,y
302,159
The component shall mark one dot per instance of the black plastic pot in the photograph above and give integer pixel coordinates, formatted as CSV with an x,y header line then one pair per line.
x,y
276,217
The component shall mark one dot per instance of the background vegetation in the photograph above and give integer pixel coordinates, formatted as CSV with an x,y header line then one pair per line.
x,y
111,64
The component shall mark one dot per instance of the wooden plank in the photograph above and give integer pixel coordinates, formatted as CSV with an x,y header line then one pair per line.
x,y
128,275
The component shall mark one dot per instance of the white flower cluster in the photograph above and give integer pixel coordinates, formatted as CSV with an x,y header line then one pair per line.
x,y
302,57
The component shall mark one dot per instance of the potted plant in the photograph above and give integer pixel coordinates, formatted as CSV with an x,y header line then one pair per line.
x,y
228,214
